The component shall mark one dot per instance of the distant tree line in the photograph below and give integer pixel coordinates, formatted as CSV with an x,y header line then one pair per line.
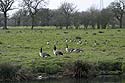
x,y
66,16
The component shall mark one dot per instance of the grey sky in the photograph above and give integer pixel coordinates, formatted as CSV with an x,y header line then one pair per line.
x,y
82,5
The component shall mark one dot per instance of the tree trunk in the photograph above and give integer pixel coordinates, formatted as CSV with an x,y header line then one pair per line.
x,y
98,25
67,21
5,20
32,22
67,26
18,22
15,22
120,22
93,26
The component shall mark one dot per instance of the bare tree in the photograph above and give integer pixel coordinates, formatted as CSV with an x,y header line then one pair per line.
x,y
18,15
67,9
33,7
85,19
76,19
93,15
106,17
119,9
5,6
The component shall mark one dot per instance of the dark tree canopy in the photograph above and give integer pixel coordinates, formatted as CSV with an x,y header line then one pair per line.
x,y
67,16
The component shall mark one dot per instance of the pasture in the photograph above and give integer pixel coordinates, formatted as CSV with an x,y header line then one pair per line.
x,y
22,46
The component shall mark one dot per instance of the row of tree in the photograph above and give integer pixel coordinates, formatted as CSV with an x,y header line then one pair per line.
x,y
67,15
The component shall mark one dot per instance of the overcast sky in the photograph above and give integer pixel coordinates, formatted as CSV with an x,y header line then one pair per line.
x,y
82,5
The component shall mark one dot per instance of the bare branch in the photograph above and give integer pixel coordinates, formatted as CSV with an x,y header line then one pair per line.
x,y
5,6
33,7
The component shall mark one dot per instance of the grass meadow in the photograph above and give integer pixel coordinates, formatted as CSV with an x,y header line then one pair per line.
x,y
21,46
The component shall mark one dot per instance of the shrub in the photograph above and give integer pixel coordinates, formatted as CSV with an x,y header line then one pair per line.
x,y
119,30
94,34
86,33
80,69
52,69
1,42
47,68
84,69
8,31
39,69
101,31
117,66
66,32
104,66
110,66
79,38
123,67
8,71
25,74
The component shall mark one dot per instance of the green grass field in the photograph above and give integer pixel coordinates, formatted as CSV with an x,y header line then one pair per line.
x,y
21,46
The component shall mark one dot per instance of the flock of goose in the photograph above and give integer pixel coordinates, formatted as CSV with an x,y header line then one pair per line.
x,y
67,49
59,52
